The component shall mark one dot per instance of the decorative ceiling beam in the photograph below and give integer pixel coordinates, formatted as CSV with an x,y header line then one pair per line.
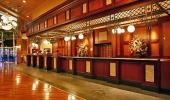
x,y
12,12
163,9
8,10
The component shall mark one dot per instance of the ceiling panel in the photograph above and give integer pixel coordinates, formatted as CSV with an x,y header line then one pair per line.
x,y
31,7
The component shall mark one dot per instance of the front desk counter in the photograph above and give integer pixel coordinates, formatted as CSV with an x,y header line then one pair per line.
x,y
48,62
147,73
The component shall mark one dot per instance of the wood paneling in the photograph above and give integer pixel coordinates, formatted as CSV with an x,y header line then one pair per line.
x,y
132,72
165,76
50,22
126,50
114,45
73,48
42,26
166,39
102,68
95,4
76,11
141,31
90,37
155,49
81,66
61,18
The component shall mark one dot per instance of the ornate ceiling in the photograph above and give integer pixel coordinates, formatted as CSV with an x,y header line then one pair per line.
x,y
29,9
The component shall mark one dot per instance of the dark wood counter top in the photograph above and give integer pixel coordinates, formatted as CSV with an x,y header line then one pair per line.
x,y
103,58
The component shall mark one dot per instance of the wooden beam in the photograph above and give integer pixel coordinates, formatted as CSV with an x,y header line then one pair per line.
x,y
163,9
8,10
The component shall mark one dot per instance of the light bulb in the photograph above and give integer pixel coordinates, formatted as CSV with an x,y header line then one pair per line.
x,y
14,23
119,30
81,36
73,38
67,38
122,30
7,27
131,28
113,31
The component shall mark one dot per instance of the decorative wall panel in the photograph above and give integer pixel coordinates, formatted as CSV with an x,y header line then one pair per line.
x,y
70,64
88,67
149,73
112,69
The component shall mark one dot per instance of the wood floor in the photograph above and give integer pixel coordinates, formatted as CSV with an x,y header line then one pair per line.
x,y
15,85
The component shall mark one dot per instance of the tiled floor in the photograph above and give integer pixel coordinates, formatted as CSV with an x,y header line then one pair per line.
x,y
15,85
89,88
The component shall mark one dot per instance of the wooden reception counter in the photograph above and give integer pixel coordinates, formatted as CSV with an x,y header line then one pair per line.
x,y
147,73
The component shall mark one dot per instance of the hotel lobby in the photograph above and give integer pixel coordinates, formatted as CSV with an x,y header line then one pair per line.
x,y
85,49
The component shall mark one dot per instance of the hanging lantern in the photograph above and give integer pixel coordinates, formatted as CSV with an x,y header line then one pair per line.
x,y
131,28
81,36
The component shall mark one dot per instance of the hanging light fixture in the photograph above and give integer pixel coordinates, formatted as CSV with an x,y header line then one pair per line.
x,y
7,27
67,38
81,36
73,38
7,22
113,31
131,28
119,30
122,30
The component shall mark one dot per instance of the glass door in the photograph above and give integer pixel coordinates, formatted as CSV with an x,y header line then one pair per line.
x,y
8,54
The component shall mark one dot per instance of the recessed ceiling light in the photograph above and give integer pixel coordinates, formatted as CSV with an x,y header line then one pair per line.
x,y
28,16
24,1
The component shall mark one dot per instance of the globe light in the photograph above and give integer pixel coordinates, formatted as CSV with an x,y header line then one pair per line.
x,y
81,36
67,38
119,30
73,38
7,27
14,23
4,17
131,28
122,30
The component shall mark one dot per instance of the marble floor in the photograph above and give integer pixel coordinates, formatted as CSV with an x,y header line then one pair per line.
x,y
20,83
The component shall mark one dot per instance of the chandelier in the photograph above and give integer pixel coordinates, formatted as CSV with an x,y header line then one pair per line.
x,y
7,22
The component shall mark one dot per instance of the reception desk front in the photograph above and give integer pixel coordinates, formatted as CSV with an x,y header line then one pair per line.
x,y
147,73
